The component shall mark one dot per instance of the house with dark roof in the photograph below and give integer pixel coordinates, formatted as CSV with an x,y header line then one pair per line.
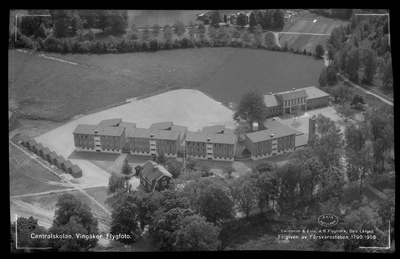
x,y
153,141
44,152
24,140
30,144
66,166
154,177
59,161
76,171
208,145
301,99
52,157
272,138
36,148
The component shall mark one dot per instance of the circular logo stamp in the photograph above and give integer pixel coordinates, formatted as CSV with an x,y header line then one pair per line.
x,y
328,220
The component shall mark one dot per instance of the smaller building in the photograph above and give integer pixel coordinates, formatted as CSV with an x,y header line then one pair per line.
x,y
154,177
44,152
76,171
66,166
24,140
37,148
59,161
30,144
52,157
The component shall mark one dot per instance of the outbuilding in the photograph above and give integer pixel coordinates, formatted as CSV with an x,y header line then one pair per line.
x,y
44,152
37,148
67,166
30,144
24,140
59,161
52,157
76,171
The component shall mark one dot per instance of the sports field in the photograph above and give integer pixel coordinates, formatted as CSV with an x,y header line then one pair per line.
x,y
309,23
267,71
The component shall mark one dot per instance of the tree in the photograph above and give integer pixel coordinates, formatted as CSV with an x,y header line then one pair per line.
x,y
319,51
215,19
243,194
241,129
179,28
215,204
21,232
146,33
252,19
270,39
61,20
388,75
195,234
258,39
41,31
251,108
76,24
115,182
191,163
331,51
242,20
205,170
345,112
344,93
225,19
168,34
126,168
357,101
289,177
212,32
192,30
279,18
353,64
124,216
201,29
228,170
236,33
331,75
73,217
174,167
323,81
246,37
369,61
359,164
156,29
117,21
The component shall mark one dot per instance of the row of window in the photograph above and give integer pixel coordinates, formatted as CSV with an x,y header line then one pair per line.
x,y
83,136
314,101
275,109
295,102
203,144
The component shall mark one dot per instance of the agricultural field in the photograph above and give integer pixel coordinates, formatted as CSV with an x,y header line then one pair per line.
x,y
27,176
309,23
267,71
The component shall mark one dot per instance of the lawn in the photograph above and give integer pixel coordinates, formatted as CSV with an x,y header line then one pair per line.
x,y
267,71
305,23
57,90
27,176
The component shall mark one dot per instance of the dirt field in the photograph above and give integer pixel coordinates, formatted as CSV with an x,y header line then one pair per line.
x,y
267,71
162,17
305,23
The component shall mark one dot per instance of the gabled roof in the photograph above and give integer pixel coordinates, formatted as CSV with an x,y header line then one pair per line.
x,y
289,95
32,142
25,138
214,138
102,131
161,125
46,151
157,134
213,129
60,159
53,155
39,146
126,124
314,92
111,131
67,164
110,122
76,169
277,132
271,100
153,171
84,129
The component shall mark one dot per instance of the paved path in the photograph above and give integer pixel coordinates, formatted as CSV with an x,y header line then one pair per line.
x,y
74,187
305,33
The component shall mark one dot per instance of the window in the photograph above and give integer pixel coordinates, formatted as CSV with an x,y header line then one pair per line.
x,y
163,183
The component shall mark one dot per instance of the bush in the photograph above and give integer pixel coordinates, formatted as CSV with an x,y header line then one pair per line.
x,y
186,43
154,45
176,44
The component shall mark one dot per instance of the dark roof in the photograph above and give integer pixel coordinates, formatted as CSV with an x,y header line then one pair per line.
x,y
161,125
153,171
39,146
110,122
289,95
32,142
314,92
25,139
157,134
271,100
214,138
278,132
103,131
76,169
60,159
46,151
53,155
67,164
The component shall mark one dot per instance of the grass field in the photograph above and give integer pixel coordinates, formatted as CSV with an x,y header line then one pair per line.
x,y
27,176
266,71
305,23
55,90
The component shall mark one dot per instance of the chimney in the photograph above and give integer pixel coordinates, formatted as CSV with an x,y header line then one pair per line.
x,y
151,135
270,93
273,118
95,131
294,88
208,139
272,135
222,131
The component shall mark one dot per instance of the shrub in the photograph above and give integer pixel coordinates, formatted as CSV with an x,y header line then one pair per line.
x,y
176,44
154,44
145,46
186,43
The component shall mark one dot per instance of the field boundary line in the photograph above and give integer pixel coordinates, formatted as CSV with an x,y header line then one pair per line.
x,y
80,189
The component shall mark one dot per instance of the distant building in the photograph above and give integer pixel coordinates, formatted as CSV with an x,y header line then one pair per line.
x,y
204,17
66,166
214,143
76,171
37,148
272,138
24,140
154,177
59,161
31,144
52,157
44,152
302,99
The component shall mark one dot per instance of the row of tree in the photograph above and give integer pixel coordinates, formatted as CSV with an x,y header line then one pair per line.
x,y
267,19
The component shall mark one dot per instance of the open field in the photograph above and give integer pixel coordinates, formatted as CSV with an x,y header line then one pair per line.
x,y
43,207
184,107
267,71
305,23
27,176
57,90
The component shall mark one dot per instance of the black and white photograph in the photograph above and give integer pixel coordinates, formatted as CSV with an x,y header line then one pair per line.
x,y
201,130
